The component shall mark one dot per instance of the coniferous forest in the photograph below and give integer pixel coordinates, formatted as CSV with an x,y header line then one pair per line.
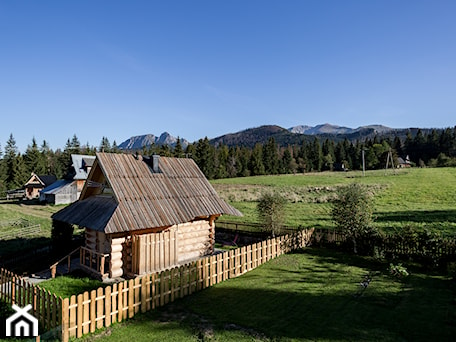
x,y
435,148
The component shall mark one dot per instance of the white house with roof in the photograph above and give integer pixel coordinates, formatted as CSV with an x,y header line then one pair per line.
x,y
68,190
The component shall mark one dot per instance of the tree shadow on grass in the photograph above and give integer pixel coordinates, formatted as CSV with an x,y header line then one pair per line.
x,y
316,305
418,216
304,302
31,254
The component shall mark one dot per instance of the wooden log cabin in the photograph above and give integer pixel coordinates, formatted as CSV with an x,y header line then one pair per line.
x,y
143,215
37,183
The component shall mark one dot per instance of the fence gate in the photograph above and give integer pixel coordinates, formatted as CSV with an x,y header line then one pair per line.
x,y
154,252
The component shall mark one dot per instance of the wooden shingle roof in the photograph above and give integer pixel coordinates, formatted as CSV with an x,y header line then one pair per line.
x,y
141,198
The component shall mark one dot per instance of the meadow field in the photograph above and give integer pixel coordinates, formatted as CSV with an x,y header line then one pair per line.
x,y
312,294
419,197
309,295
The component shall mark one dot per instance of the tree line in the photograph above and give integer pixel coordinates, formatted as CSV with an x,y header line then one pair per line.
x,y
436,148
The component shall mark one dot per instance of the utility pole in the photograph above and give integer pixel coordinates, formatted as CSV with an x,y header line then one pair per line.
x,y
390,156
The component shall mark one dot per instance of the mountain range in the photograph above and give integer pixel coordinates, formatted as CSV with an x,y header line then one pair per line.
x,y
333,129
140,141
282,136
297,134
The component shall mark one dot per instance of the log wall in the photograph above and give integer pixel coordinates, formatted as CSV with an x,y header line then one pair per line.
x,y
195,239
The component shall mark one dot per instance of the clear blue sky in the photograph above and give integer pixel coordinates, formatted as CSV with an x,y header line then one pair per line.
x,y
207,68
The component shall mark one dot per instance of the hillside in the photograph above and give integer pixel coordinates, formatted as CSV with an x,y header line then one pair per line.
x,y
292,136
298,134
251,136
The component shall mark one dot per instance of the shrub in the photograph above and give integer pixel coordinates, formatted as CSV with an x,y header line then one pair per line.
x,y
398,271
352,213
270,210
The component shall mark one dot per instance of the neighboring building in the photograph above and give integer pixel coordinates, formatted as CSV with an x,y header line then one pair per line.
x,y
60,192
82,165
68,190
143,215
401,163
37,183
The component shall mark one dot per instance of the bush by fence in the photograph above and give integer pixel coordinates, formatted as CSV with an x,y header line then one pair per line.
x,y
81,314
428,248
425,247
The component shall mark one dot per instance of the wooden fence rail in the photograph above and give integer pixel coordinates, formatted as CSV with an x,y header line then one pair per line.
x,y
15,232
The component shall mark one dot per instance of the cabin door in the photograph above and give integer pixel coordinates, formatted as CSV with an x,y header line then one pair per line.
x,y
154,252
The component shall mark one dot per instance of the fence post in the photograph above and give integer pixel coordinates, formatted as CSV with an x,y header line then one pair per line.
x,y
64,304
13,290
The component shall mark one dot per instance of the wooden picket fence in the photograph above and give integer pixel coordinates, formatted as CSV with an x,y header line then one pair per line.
x,y
86,312
46,306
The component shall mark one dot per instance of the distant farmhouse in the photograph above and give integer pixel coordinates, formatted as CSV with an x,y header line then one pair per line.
x,y
401,163
36,183
68,190
143,215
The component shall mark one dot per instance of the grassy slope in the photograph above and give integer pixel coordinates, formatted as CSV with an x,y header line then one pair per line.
x,y
36,214
421,197
305,296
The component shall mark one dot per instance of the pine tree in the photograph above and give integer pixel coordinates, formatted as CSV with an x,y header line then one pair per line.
x,y
114,147
315,156
222,153
446,142
164,150
329,157
20,172
397,146
270,157
178,152
419,144
232,163
105,146
204,157
286,162
2,176
256,165
34,159
75,145
64,161
9,162
64,165
47,158
242,165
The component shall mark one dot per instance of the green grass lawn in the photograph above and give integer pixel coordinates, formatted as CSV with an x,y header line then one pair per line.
x,y
420,197
68,285
314,295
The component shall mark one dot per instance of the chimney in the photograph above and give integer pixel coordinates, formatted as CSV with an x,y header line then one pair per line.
x,y
155,163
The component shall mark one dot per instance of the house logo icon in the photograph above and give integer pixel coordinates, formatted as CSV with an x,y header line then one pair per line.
x,y
21,324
